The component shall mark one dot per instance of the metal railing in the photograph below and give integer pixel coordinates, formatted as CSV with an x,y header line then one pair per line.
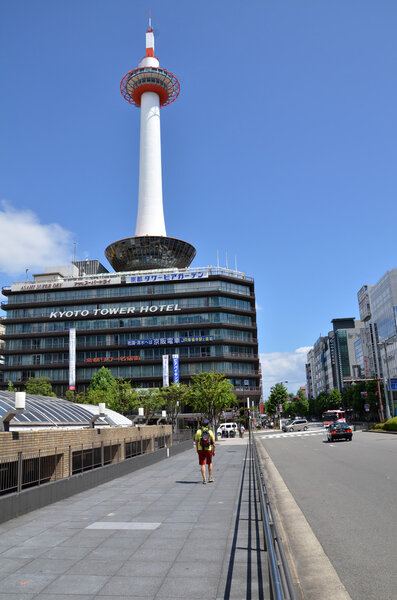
x,y
280,580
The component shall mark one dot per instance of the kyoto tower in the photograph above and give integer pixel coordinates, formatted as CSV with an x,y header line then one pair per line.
x,y
149,87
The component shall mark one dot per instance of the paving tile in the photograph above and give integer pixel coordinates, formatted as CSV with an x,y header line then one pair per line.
x,y
16,596
189,569
134,586
12,565
96,567
137,568
188,587
43,596
160,553
66,552
44,565
23,552
76,584
32,584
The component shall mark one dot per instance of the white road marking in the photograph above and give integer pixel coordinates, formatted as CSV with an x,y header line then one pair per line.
x,y
120,525
291,434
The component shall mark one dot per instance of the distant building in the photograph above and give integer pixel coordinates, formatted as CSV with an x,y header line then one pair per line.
x,y
378,310
332,362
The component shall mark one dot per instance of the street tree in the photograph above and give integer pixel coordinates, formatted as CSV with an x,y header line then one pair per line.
x,y
39,386
334,399
11,387
126,396
103,389
174,400
210,393
278,395
151,401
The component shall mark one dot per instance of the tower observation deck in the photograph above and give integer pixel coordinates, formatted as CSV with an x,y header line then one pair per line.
x,y
150,87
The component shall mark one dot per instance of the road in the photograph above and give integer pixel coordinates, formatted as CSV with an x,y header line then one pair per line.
x,y
348,494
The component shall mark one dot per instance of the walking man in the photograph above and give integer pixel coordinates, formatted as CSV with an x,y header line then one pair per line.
x,y
205,446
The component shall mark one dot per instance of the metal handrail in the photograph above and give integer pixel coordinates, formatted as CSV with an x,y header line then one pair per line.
x,y
281,585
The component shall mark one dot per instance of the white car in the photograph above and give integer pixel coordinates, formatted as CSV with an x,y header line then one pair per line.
x,y
226,428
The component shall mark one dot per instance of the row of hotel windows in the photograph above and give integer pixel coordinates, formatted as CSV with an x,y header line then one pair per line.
x,y
211,301
103,356
133,372
121,339
130,322
129,290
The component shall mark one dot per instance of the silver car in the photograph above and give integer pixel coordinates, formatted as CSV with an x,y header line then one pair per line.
x,y
296,425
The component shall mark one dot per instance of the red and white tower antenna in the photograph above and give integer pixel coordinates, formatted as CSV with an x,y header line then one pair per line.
x,y
150,88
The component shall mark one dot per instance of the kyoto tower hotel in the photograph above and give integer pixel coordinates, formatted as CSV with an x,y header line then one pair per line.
x,y
152,320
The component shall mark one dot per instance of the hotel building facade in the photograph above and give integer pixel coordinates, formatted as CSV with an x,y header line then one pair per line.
x,y
127,321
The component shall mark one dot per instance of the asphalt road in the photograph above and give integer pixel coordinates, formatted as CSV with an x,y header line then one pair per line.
x,y
348,493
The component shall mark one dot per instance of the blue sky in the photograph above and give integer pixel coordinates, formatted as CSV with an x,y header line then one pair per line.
x,y
279,152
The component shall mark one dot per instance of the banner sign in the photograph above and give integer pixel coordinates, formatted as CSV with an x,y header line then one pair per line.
x,y
175,367
393,384
102,359
171,340
123,310
166,380
72,359
146,278
53,284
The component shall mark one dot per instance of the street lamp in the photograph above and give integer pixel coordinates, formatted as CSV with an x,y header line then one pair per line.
x,y
388,392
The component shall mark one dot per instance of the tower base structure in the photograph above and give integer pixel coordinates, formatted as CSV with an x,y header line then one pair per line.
x,y
149,252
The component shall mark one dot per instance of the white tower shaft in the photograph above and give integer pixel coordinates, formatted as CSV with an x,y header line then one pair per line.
x,y
150,219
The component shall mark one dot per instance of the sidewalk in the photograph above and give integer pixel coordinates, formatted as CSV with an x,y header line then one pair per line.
x,y
157,533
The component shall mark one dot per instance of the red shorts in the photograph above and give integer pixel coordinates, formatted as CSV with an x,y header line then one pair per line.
x,y
205,457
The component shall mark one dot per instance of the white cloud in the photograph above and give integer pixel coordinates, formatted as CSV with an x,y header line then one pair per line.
x,y
27,243
284,366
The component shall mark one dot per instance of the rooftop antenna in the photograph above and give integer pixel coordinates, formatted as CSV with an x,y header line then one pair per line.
x,y
26,271
150,21
74,251
235,262
217,257
227,266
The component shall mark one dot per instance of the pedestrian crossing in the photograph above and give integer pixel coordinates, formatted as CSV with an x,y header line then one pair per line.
x,y
289,434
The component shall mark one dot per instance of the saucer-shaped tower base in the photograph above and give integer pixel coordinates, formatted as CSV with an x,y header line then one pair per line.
x,y
149,252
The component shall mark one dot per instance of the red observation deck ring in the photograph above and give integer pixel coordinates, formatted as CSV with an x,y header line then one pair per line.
x,y
149,79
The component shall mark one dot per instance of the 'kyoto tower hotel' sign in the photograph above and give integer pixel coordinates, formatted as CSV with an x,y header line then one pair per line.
x,y
150,88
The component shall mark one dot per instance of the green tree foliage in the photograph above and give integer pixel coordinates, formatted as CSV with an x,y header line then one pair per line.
x,y
244,416
126,397
79,398
11,387
210,393
334,399
40,386
174,400
278,395
152,402
102,388
301,395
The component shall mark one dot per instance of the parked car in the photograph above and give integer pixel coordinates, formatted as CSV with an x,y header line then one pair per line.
x,y
340,431
296,425
225,429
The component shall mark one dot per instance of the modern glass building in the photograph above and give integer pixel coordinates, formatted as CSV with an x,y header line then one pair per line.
x,y
128,321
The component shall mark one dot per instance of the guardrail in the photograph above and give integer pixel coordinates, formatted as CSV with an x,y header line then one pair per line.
x,y
281,585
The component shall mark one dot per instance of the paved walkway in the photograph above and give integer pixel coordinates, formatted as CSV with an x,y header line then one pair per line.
x,y
157,533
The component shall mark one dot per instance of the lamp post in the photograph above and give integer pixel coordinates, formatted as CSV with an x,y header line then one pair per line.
x,y
388,390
